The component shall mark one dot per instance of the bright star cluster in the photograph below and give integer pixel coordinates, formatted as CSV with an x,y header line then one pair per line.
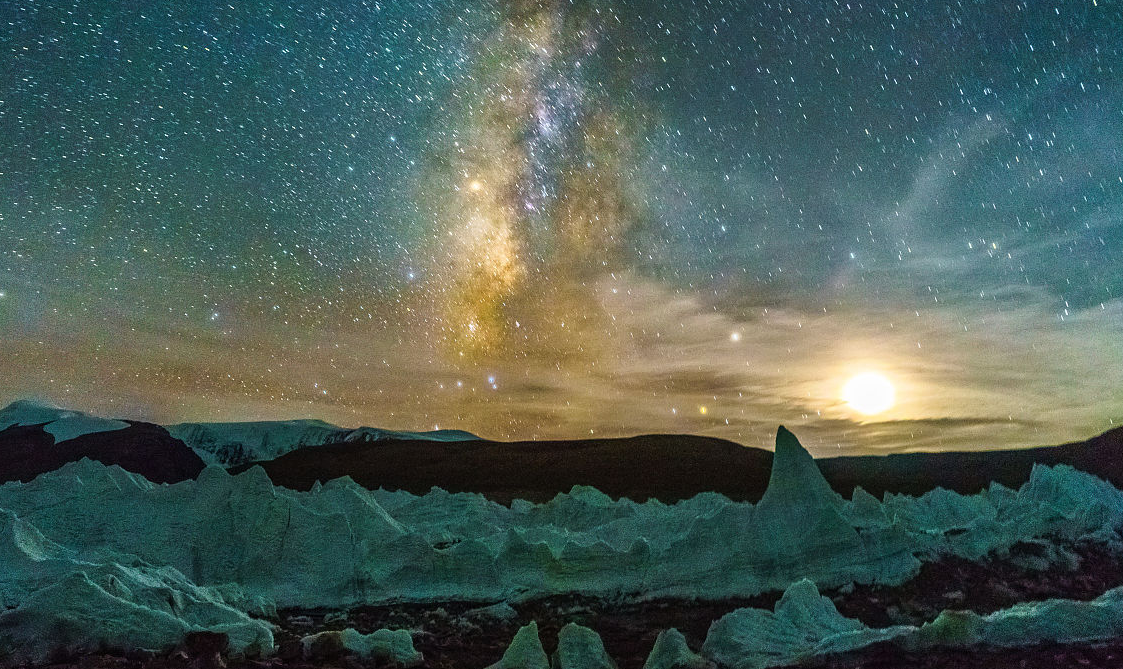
x,y
557,218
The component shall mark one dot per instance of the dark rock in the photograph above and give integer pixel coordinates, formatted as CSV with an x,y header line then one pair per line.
x,y
290,650
142,448
140,655
198,644
323,647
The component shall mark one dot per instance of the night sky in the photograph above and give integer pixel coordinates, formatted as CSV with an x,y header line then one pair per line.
x,y
555,218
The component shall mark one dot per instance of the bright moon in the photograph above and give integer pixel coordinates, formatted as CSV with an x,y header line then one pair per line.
x,y
869,393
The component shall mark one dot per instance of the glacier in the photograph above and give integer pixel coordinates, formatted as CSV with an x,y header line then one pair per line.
x,y
221,552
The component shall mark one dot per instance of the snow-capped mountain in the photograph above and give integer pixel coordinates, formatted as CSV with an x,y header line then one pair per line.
x,y
36,438
226,444
231,444
62,424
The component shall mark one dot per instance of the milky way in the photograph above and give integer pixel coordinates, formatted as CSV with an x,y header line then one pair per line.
x,y
545,218
527,184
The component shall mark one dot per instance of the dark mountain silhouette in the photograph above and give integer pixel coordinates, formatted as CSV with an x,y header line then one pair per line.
x,y
660,466
970,472
144,448
665,467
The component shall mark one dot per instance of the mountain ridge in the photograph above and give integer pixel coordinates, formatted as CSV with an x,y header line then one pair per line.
x,y
673,467
661,466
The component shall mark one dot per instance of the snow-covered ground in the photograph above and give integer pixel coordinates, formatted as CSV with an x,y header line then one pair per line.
x,y
155,560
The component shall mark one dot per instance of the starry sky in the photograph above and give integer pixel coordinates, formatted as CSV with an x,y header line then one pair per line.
x,y
567,218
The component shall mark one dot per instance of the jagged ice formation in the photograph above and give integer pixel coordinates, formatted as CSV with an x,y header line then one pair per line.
x,y
222,546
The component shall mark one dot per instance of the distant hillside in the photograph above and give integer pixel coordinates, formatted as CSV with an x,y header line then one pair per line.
x,y
969,472
665,467
36,438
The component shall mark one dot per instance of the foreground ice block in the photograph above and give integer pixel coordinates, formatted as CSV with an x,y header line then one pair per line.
x,y
125,609
803,624
525,651
1050,621
394,646
671,652
580,648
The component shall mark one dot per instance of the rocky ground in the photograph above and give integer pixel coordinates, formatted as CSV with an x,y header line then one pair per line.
x,y
460,635
987,585
454,636
1099,656
1105,656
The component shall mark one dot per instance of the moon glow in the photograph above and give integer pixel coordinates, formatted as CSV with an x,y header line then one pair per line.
x,y
869,393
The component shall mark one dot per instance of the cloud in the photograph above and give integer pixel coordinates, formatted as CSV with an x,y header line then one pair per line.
x,y
1032,375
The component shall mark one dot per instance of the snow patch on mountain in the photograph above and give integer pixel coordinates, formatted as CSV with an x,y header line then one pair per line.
x,y
62,424
231,444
